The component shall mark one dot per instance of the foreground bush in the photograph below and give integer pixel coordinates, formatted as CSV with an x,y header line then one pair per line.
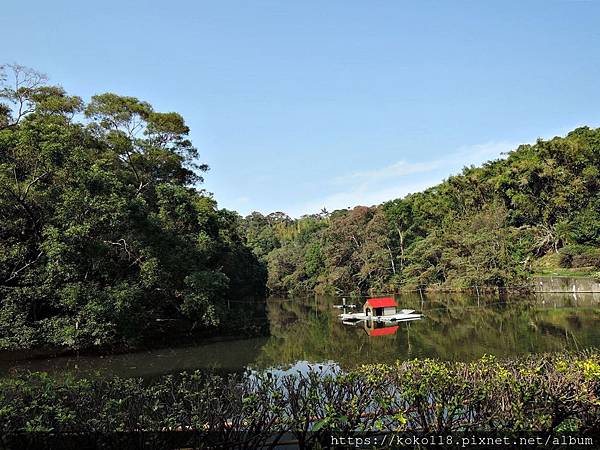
x,y
547,393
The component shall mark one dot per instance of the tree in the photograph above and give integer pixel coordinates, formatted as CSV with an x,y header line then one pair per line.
x,y
485,226
104,238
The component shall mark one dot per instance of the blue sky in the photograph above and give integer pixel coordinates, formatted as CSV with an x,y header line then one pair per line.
x,y
299,105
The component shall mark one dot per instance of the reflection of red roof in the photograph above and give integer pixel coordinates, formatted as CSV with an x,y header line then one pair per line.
x,y
383,331
381,302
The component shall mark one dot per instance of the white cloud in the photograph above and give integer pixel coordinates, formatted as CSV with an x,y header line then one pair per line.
x,y
361,195
398,169
242,200
479,153
374,186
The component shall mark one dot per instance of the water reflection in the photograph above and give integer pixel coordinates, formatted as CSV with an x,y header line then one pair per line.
x,y
223,357
379,329
455,327
305,332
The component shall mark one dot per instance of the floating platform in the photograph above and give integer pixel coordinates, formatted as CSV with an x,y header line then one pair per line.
x,y
403,315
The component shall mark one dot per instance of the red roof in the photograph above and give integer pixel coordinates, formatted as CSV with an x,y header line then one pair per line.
x,y
383,331
381,302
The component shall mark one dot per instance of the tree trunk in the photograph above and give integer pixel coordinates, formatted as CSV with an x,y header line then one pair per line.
x,y
391,259
401,247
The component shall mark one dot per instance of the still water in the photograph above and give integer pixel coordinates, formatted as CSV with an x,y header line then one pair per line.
x,y
305,331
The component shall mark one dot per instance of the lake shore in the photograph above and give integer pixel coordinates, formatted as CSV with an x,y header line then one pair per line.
x,y
309,331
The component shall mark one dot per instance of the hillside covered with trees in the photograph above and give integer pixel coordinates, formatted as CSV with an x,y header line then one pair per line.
x,y
104,238
490,226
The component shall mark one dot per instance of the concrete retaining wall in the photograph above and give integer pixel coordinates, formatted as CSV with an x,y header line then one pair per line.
x,y
566,284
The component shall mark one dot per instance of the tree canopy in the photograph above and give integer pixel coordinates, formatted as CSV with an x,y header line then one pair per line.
x,y
489,226
105,238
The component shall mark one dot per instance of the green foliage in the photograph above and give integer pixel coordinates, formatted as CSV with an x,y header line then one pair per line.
x,y
104,239
484,227
578,255
544,393
584,227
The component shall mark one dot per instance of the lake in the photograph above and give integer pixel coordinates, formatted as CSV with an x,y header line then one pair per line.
x,y
308,331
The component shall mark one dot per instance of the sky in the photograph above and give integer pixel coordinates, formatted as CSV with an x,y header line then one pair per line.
x,y
301,105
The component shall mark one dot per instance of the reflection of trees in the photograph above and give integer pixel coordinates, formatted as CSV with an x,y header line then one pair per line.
x,y
455,327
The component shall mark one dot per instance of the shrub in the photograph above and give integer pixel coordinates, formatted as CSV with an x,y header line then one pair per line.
x,y
545,393
579,256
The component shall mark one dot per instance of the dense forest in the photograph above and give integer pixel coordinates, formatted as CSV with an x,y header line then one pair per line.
x,y
491,227
105,239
